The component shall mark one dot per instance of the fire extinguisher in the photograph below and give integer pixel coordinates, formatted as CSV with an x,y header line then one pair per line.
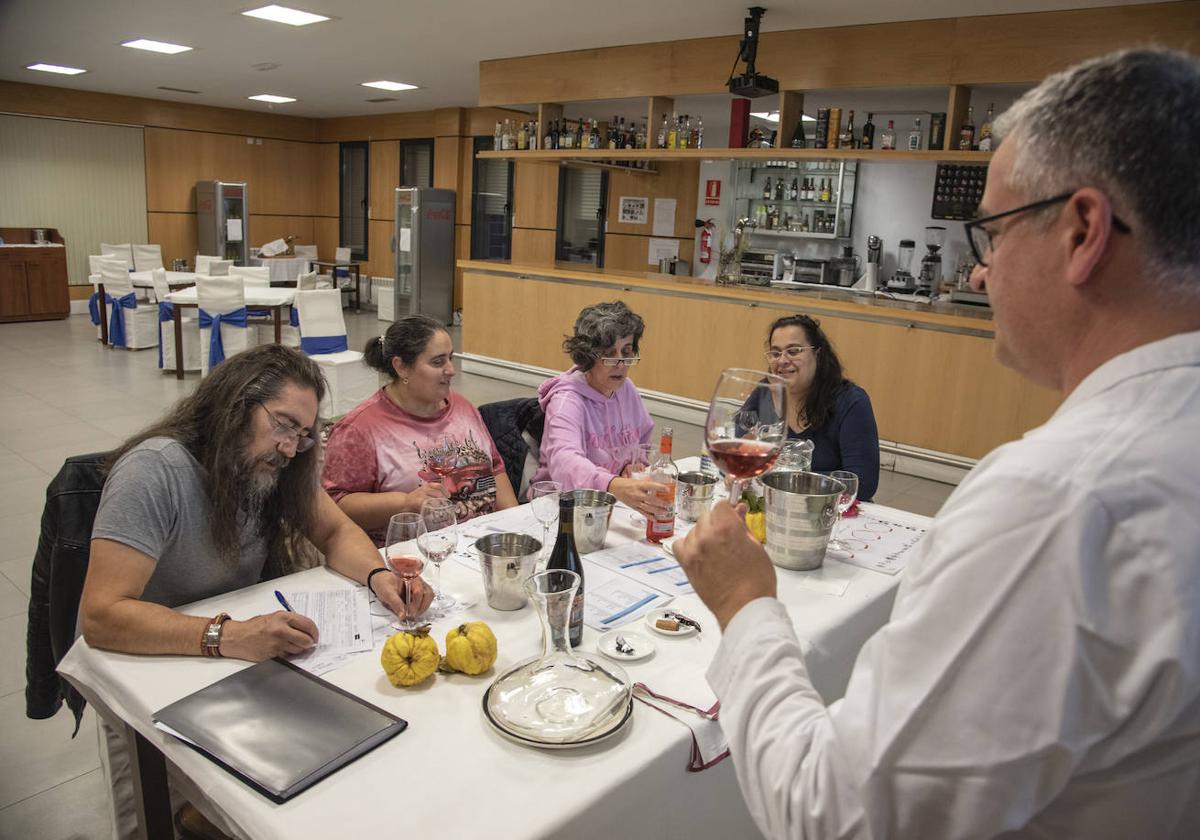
x,y
706,243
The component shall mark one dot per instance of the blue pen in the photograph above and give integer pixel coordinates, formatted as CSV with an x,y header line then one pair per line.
x,y
282,600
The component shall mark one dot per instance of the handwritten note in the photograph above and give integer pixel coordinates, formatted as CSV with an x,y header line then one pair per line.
x,y
877,544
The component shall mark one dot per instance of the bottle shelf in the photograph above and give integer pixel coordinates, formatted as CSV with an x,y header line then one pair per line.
x,y
899,155
798,202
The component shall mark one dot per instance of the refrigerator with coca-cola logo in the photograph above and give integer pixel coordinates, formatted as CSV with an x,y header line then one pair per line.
x,y
424,249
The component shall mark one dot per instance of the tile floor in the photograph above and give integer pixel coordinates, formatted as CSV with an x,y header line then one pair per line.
x,y
62,393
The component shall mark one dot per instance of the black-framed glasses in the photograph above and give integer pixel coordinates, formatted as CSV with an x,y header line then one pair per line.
x,y
794,352
283,432
981,238
613,361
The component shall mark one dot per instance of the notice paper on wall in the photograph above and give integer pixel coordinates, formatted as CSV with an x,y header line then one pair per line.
x,y
664,217
406,239
233,230
633,210
662,249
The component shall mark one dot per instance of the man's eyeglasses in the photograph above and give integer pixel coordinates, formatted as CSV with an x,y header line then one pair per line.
x,y
981,238
614,361
283,432
792,353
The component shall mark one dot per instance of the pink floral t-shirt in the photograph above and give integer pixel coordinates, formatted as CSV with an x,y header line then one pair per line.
x,y
381,448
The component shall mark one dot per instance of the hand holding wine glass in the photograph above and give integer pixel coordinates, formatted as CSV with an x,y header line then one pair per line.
x,y
437,543
850,492
406,564
745,430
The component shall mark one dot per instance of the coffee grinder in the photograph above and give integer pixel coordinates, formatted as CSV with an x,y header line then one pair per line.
x,y
902,280
930,280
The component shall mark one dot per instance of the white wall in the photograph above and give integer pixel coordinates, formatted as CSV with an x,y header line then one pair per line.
x,y
88,180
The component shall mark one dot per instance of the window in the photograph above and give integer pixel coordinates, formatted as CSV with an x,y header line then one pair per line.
x,y
491,206
416,163
353,193
581,213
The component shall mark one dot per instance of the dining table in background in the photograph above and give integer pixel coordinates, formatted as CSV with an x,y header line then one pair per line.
x,y
141,280
284,270
351,267
260,297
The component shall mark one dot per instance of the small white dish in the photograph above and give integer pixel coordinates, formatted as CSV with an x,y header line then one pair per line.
x,y
643,646
655,615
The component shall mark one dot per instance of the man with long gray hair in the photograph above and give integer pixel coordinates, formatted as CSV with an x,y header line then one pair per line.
x,y
1040,675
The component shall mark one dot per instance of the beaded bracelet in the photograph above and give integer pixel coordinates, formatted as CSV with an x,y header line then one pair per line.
x,y
371,575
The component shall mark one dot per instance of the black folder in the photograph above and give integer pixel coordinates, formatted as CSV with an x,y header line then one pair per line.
x,y
278,728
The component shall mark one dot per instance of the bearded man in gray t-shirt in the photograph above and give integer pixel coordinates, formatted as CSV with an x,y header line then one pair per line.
x,y
220,494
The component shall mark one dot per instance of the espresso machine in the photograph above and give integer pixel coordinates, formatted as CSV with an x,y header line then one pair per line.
x,y
930,280
903,281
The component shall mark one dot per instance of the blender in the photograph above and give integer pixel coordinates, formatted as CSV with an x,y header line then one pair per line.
x,y
930,280
902,280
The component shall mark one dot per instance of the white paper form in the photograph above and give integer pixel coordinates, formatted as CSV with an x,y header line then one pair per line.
x,y
649,565
661,249
877,544
343,618
613,600
233,230
664,217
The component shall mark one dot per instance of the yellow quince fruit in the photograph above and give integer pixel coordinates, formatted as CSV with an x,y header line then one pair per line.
x,y
409,658
470,648
757,523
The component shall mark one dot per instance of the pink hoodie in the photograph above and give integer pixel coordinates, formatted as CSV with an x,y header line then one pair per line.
x,y
588,435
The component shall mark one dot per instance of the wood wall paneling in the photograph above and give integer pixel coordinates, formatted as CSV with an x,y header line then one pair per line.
x,y
624,252
533,246
328,180
326,235
282,178
791,108
466,180
176,234
677,180
481,122
535,195
656,108
385,177
446,162
267,228
381,262
956,114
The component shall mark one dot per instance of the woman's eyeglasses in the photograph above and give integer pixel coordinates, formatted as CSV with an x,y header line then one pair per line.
x,y
614,361
792,353
283,432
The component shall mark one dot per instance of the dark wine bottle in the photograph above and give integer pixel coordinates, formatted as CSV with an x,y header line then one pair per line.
x,y
566,556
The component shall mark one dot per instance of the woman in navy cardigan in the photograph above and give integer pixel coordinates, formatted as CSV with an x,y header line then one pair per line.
x,y
824,406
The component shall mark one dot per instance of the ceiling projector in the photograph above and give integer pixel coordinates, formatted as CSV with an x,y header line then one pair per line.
x,y
751,84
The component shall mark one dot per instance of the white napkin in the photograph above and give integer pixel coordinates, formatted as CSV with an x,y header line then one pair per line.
x,y
709,745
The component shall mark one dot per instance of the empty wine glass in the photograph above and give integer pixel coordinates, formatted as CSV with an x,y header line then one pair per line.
x,y
544,501
437,543
850,482
406,564
637,459
745,429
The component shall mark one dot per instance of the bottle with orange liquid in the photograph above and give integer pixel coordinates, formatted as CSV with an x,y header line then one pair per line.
x,y
663,470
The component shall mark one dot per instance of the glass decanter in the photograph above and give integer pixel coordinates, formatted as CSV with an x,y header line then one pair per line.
x,y
559,697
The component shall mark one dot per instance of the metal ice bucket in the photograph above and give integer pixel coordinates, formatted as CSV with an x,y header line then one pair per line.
x,y
507,561
801,509
593,510
695,494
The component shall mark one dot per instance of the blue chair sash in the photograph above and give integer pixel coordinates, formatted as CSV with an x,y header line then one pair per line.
x,y
116,321
94,306
294,317
166,312
320,345
208,321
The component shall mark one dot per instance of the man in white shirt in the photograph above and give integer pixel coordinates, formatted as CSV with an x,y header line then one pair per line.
x,y
1040,674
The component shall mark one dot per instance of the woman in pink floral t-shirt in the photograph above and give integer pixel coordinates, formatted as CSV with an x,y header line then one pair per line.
x,y
413,439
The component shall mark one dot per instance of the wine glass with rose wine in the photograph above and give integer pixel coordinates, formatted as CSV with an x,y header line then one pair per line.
x,y
401,556
745,427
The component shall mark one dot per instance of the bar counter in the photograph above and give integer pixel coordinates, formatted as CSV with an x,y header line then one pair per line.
x,y
929,369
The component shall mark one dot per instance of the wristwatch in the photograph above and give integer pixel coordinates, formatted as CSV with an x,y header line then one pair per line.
x,y
210,642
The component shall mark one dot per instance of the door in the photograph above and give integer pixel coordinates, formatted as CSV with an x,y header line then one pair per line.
x,y
491,205
46,285
14,296
581,215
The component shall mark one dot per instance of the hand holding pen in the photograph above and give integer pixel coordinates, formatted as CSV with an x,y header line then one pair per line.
x,y
281,633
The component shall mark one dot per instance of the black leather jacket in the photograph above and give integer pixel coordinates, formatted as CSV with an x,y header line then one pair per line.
x,y
59,569
506,422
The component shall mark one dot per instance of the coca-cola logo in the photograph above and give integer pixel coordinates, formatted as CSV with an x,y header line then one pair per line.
x,y
438,215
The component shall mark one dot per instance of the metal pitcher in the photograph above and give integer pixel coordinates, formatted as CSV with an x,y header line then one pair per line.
x,y
593,510
801,509
507,561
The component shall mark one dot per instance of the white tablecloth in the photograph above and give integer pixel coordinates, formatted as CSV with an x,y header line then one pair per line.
x,y
283,269
141,279
449,775
255,296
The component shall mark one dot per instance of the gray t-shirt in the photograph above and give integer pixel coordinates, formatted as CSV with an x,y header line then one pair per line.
x,y
154,502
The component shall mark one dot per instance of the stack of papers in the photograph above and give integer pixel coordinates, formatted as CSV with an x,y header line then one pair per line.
x,y
343,619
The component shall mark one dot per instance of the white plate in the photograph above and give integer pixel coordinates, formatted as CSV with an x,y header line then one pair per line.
x,y
617,725
642,646
655,615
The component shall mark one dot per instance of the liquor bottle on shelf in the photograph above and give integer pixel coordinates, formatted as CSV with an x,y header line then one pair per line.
x,y
673,132
937,130
498,137
798,138
779,188
662,134
594,141
822,128
846,137
914,136
611,139
887,137
985,130
580,142
966,135
825,190
868,135
698,134
549,136
522,138
683,135
565,556
794,195
639,140
533,134
767,191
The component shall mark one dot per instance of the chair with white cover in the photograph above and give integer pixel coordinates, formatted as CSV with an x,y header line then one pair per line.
x,y
130,326
254,275
147,257
219,268
323,338
94,261
202,261
188,322
222,306
306,282
308,252
120,252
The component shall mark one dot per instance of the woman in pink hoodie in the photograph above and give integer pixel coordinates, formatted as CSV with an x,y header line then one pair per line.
x,y
594,414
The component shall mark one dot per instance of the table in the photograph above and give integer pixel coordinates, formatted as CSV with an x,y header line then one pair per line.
x,y
453,776
284,270
140,280
350,266
262,297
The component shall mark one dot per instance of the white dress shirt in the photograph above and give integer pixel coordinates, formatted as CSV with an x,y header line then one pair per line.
x,y
1040,674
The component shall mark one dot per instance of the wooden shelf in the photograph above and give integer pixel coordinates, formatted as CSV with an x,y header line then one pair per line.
x,y
952,156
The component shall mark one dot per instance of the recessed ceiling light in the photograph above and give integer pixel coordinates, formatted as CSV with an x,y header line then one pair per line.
x,y
390,85
156,46
56,68
282,14
270,97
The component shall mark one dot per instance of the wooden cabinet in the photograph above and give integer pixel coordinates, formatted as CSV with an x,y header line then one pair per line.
x,y
33,279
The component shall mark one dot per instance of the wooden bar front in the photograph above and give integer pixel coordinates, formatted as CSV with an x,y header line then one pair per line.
x,y
929,370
